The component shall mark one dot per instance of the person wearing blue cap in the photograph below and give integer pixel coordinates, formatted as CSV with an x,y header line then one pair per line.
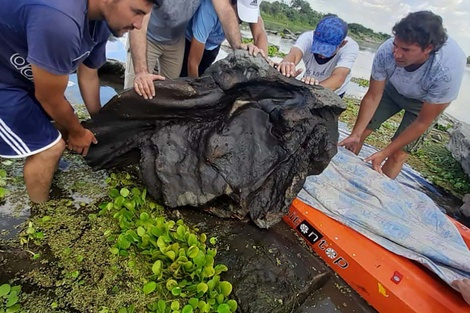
x,y
418,71
328,53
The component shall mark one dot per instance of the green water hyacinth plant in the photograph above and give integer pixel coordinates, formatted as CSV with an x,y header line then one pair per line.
x,y
181,265
9,298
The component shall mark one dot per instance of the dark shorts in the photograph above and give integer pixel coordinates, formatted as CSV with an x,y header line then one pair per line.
x,y
391,103
25,128
208,58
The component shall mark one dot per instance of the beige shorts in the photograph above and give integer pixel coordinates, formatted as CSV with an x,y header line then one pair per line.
x,y
165,60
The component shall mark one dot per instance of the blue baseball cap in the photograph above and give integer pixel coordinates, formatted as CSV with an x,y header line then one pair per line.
x,y
329,35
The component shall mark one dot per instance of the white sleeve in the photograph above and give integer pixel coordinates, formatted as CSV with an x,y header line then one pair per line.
x,y
348,54
304,42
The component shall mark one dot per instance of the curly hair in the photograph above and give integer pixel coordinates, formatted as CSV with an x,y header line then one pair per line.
x,y
423,28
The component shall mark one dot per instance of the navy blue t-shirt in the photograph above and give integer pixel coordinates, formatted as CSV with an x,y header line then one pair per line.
x,y
54,35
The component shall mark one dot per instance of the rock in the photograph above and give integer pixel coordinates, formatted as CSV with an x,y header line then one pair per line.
x,y
445,121
436,137
459,145
465,208
238,141
287,31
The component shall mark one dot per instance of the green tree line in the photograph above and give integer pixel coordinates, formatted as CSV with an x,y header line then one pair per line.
x,y
299,16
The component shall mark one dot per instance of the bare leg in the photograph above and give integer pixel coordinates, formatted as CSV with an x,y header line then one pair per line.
x,y
39,170
394,164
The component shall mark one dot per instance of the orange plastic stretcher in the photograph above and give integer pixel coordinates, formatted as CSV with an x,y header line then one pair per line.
x,y
387,281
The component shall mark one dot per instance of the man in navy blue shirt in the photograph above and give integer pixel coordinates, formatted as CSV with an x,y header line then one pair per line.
x,y
44,41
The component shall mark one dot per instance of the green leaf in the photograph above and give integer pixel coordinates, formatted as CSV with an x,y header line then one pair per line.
x,y
144,216
140,231
219,268
170,284
114,250
213,240
192,240
220,298
193,251
149,287
187,309
75,274
223,308
13,308
171,255
193,302
202,287
3,173
180,231
233,305
175,305
176,291
225,288
208,271
157,267
161,305
118,202
11,300
3,192
113,193
122,310
4,290
203,238
124,192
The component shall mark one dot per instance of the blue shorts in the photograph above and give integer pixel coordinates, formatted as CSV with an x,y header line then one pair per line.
x,y
25,128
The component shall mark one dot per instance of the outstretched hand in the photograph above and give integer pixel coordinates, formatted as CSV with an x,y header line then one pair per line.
x,y
309,80
463,286
352,143
253,50
287,69
143,84
80,142
377,160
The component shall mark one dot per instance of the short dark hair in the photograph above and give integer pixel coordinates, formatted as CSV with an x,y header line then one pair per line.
x,y
423,28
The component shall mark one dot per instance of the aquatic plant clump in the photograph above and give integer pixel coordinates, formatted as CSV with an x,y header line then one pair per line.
x,y
122,256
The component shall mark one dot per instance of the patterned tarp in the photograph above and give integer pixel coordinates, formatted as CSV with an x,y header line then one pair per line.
x,y
399,218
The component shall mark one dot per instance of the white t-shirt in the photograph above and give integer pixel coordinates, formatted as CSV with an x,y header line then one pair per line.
x,y
438,80
345,57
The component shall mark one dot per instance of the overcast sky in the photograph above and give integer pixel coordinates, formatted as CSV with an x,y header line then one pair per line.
x,y
381,15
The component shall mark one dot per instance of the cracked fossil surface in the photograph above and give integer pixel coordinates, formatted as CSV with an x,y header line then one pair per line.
x,y
238,141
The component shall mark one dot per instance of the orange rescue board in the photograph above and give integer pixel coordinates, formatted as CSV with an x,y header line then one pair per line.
x,y
389,282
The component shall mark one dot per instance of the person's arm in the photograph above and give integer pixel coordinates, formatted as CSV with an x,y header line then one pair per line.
x,y
89,84
49,91
429,112
259,35
143,82
368,106
287,65
229,20
196,52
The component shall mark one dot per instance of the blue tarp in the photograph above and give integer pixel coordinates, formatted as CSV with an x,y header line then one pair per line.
x,y
396,216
